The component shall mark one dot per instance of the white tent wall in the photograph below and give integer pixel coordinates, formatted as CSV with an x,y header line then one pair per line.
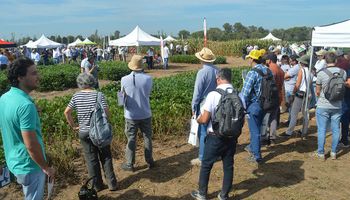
x,y
333,35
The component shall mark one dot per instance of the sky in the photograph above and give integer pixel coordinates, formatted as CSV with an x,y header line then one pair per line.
x,y
82,17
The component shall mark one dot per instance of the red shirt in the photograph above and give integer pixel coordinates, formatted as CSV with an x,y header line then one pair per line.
x,y
278,74
343,63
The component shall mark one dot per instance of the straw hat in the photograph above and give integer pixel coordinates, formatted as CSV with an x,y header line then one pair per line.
x,y
255,54
136,63
321,52
206,55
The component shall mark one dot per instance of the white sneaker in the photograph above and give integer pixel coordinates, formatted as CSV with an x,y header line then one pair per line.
x,y
196,162
319,156
333,156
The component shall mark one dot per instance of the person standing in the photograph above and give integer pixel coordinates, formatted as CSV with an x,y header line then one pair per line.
x,y
35,56
216,145
345,118
150,54
205,83
166,53
89,66
4,61
21,130
137,88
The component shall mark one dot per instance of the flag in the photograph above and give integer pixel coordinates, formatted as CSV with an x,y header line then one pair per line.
x,y
205,31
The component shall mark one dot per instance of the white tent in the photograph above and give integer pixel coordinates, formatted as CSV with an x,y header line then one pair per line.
x,y
44,42
137,37
169,39
270,37
28,43
333,35
73,44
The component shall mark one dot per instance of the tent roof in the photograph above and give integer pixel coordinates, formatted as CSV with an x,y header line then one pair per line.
x,y
137,37
86,42
73,44
5,44
169,38
28,43
270,37
333,35
43,42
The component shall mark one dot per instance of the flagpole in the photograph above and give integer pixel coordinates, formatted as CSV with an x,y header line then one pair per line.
x,y
205,31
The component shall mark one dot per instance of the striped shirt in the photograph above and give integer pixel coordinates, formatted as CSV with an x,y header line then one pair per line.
x,y
84,103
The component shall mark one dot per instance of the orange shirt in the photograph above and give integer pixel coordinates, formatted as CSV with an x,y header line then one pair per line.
x,y
278,74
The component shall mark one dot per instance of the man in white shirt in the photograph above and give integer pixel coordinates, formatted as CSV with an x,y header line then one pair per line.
x,y
166,53
35,56
321,62
172,48
216,146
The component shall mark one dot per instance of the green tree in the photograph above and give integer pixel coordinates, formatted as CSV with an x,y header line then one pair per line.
x,y
227,28
184,34
197,34
215,34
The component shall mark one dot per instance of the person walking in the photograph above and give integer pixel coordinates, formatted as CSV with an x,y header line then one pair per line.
x,y
89,66
205,83
137,88
166,53
21,130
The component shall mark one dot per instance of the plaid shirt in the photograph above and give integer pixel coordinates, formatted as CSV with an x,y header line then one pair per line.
x,y
252,85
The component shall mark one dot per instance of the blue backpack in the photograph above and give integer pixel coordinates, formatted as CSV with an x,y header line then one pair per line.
x,y
100,129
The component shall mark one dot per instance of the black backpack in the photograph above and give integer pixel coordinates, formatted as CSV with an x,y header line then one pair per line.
x,y
229,115
335,89
269,98
87,193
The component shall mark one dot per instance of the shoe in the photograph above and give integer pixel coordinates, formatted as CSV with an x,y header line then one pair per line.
x,y
150,165
127,167
319,156
247,149
342,145
196,162
251,159
333,156
99,188
221,197
195,194
113,188
284,134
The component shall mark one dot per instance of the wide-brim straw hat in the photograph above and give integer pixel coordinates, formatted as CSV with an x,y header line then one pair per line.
x,y
321,52
136,63
206,55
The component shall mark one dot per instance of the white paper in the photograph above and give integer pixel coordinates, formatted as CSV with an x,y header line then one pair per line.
x,y
4,177
193,137
50,183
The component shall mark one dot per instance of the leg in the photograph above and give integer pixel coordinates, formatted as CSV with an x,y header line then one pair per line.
x,y
273,121
227,161
254,121
131,128
335,124
345,120
146,129
322,118
107,163
202,134
92,160
297,103
33,185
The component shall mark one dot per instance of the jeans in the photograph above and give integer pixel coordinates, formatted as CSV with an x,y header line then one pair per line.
x,y
345,121
323,117
93,156
202,133
215,147
166,60
131,128
255,117
33,185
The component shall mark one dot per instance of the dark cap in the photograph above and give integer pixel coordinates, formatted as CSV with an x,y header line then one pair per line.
x,y
272,57
305,59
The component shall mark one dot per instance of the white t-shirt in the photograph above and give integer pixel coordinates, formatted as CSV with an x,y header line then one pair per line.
x,y
212,101
166,52
320,64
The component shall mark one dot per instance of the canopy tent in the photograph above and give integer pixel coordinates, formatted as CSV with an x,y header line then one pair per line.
x,y
169,39
28,43
333,35
44,42
86,42
5,44
270,37
73,44
137,37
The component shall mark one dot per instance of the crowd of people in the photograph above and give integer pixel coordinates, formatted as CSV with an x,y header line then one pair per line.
x,y
274,81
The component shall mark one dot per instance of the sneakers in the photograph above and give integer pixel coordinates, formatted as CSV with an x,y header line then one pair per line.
x,y
251,159
319,156
247,149
196,162
150,165
99,188
127,167
195,194
333,156
221,197
342,145
284,134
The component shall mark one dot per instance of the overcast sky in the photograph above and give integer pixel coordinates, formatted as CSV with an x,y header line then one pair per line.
x,y
74,17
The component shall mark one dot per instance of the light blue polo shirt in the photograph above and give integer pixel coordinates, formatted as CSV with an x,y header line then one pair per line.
x,y
18,113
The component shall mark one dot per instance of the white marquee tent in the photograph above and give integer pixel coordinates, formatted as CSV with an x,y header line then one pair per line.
x,y
270,37
73,44
169,39
137,37
44,42
28,43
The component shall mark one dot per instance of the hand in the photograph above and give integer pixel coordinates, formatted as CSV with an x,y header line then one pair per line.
x,y
76,128
50,172
192,113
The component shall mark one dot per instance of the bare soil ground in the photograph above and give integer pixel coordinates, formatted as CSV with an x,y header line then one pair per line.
x,y
288,172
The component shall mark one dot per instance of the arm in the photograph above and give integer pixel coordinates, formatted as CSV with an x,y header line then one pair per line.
x,y
34,148
318,90
347,83
299,79
107,113
69,118
204,117
197,93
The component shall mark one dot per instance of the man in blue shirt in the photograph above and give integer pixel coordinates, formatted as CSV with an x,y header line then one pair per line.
x,y
137,88
21,132
205,83
3,61
251,92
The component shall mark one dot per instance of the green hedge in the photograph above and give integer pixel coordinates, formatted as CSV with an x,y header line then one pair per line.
x,y
113,71
3,83
191,59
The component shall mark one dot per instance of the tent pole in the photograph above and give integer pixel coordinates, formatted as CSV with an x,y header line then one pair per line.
x,y
306,105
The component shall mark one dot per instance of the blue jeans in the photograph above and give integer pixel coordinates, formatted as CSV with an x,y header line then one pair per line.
x,y
33,185
166,60
202,133
345,121
215,147
255,117
323,117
